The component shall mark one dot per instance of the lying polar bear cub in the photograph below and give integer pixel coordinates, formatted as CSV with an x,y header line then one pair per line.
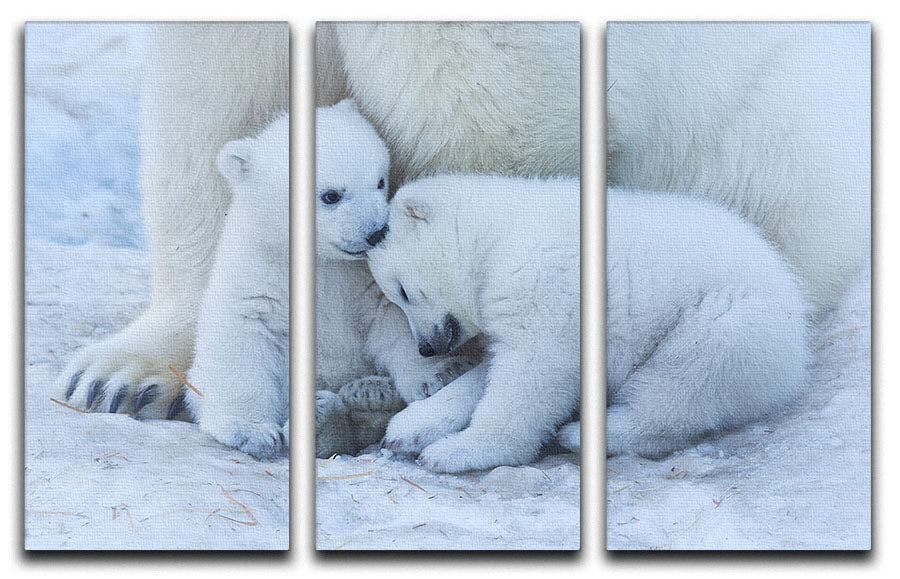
x,y
493,256
241,355
706,323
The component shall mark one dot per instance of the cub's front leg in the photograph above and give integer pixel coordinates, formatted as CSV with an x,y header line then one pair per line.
x,y
241,372
433,418
526,398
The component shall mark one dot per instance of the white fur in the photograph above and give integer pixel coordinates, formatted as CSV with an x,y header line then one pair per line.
x,y
437,416
569,436
205,84
462,96
500,256
358,332
351,160
706,323
241,355
771,120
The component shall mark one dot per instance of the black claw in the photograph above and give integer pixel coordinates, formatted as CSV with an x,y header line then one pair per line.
x,y
281,436
145,397
176,407
73,383
92,392
117,399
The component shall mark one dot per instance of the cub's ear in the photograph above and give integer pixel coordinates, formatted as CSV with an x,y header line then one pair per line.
x,y
417,209
235,160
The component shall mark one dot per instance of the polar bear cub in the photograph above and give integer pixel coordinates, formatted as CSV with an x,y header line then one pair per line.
x,y
476,97
706,323
499,257
358,332
351,211
241,358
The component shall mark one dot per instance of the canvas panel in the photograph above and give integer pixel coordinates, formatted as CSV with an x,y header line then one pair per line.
x,y
738,286
447,285
156,286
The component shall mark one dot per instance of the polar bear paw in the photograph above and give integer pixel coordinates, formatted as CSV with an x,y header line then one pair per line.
x,y
419,425
468,450
258,439
372,402
426,421
569,436
435,374
371,394
626,434
128,373
333,432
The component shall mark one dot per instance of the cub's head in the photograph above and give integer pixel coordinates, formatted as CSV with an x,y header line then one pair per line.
x,y
421,266
258,170
352,165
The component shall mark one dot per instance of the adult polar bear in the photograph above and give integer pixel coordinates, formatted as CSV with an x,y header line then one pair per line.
x,y
472,97
770,120
205,85
499,98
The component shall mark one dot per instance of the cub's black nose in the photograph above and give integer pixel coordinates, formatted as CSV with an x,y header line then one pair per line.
x,y
426,350
374,237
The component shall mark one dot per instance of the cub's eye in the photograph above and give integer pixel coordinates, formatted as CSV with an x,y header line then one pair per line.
x,y
331,197
403,294
381,183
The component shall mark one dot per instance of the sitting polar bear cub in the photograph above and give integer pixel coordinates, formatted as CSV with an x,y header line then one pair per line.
x,y
241,356
358,332
703,334
706,323
461,260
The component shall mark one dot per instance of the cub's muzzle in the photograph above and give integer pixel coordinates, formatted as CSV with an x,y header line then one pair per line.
x,y
442,340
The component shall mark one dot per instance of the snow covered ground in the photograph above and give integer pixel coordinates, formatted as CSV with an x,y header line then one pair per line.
x,y
110,482
377,501
799,481
103,481
107,481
